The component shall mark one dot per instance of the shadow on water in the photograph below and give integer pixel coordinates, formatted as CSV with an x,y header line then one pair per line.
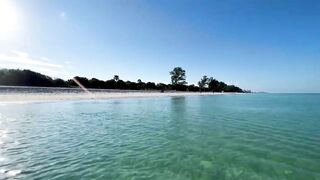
x,y
178,107
178,116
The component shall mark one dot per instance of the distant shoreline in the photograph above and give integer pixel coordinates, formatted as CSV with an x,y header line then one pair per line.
x,y
21,95
17,77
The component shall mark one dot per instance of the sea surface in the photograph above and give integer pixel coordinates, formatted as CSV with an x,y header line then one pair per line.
x,y
252,136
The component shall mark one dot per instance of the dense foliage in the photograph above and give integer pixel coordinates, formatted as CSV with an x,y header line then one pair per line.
x,y
12,77
178,76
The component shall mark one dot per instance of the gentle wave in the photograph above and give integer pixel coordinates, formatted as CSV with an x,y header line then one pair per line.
x,y
211,137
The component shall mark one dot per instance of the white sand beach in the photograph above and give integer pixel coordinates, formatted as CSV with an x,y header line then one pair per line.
x,y
45,97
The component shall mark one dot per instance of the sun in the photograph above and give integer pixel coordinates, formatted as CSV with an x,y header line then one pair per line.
x,y
8,18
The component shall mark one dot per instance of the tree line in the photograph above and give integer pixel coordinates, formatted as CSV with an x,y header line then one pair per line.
x,y
16,77
178,81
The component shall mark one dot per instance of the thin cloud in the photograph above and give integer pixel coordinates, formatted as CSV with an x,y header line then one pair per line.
x,y
67,62
22,60
46,59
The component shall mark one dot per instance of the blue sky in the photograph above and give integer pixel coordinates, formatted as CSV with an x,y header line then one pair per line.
x,y
266,45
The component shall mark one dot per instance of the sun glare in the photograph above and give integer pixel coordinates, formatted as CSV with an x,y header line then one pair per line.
x,y
8,18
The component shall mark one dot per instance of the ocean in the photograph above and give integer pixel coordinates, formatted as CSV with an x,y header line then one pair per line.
x,y
250,136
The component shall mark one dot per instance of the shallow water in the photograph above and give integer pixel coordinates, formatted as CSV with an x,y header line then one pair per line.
x,y
255,136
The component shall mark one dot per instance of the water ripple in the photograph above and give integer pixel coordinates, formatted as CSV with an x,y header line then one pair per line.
x,y
161,138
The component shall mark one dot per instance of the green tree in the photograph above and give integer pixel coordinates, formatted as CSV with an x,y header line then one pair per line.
x,y
178,76
213,85
116,78
203,82
16,77
222,86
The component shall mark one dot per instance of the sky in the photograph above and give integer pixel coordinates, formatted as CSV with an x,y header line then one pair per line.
x,y
265,45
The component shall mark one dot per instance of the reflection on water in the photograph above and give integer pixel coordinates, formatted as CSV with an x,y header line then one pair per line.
x,y
218,137
178,121
178,105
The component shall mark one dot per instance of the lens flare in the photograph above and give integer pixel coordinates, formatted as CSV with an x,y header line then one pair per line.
x,y
81,86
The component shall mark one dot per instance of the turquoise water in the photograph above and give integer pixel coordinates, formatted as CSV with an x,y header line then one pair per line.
x,y
256,136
